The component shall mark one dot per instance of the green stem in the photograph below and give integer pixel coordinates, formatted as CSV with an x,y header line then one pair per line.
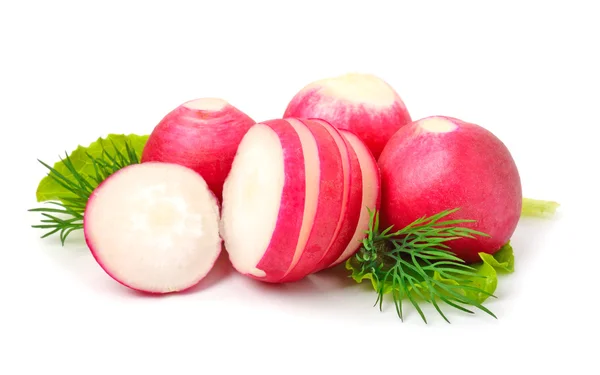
x,y
538,208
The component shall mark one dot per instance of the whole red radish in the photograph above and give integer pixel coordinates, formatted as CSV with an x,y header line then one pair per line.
x,y
440,163
154,227
362,103
201,134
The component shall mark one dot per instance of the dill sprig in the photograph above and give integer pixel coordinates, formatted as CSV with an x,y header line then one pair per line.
x,y
416,263
78,188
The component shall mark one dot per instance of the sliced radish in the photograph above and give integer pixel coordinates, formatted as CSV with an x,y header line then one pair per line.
x,y
327,178
371,185
154,227
264,199
351,206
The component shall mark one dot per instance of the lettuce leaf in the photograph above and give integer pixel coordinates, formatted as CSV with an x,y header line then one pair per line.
x,y
538,208
502,262
49,189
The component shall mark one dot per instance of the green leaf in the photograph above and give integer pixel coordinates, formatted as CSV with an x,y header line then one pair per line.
x,y
538,208
82,161
502,261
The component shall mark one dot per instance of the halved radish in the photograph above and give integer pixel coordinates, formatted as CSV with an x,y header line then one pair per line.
x,y
264,199
324,152
371,193
351,206
154,227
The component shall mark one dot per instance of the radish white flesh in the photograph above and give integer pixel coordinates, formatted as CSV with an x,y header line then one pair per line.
x,y
154,227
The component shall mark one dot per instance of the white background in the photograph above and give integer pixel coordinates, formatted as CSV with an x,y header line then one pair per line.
x,y
74,71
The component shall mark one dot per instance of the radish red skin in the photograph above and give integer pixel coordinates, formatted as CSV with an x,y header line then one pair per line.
x,y
440,163
351,212
201,134
361,103
329,201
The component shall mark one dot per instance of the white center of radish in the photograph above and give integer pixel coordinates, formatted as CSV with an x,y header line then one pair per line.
x,y
359,88
167,215
206,104
437,125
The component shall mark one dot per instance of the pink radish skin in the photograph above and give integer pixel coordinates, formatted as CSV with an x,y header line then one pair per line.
x,y
263,201
371,198
154,227
329,200
351,207
362,103
440,163
202,134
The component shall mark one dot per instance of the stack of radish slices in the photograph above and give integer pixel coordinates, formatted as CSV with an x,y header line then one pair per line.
x,y
296,200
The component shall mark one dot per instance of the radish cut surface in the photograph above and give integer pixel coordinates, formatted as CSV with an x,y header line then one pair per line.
x,y
154,227
264,200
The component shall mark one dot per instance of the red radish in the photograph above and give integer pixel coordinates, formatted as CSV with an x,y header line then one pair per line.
x,y
329,177
154,227
351,206
440,163
362,103
201,134
285,184
371,188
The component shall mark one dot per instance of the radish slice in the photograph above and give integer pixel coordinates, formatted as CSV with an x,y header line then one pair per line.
x,y
264,199
327,179
154,227
310,152
348,220
371,185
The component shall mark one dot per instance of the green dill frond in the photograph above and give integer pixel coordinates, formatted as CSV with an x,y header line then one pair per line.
x,y
415,263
